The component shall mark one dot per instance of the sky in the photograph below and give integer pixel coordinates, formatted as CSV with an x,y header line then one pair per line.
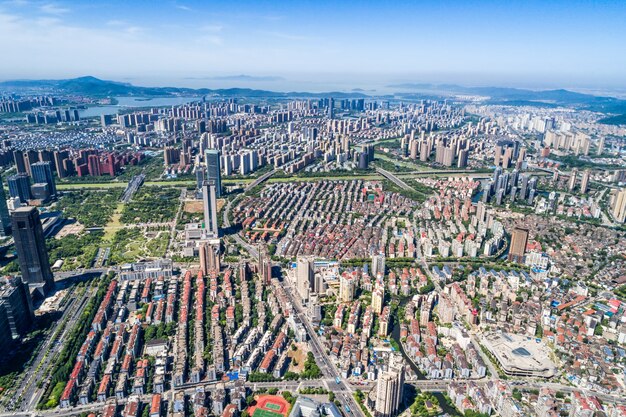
x,y
318,45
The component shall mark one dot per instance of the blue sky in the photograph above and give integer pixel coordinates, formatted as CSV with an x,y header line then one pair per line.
x,y
319,43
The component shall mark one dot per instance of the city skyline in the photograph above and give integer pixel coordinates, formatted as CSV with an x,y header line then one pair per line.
x,y
318,46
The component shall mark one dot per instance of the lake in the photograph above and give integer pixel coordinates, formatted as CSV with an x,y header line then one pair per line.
x,y
130,102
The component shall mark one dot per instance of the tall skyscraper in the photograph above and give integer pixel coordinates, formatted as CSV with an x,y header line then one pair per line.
x,y
19,186
5,219
214,169
42,173
390,389
209,205
30,245
519,239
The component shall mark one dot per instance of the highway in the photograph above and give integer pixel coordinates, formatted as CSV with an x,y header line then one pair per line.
x,y
391,177
28,389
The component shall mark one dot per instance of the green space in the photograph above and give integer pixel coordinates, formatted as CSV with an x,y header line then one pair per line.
x,y
425,405
151,205
75,251
132,244
418,192
91,208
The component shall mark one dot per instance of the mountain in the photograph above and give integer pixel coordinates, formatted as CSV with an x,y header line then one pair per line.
x,y
523,97
95,87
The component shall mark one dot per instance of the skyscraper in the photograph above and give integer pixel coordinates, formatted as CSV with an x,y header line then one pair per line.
x,y
347,284
214,169
619,206
519,239
5,219
389,390
572,180
30,245
378,264
209,205
19,186
42,173
304,277
584,181
18,306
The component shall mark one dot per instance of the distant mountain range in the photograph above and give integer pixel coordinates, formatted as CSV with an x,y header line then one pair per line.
x,y
521,97
95,87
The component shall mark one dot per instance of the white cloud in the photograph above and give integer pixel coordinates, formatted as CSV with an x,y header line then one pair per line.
x,y
53,9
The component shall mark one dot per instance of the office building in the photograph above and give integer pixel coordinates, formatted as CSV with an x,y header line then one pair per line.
x,y
19,186
5,219
390,389
519,239
209,205
214,169
30,245
18,306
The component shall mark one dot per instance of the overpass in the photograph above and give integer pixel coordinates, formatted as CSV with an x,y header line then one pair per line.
x,y
391,177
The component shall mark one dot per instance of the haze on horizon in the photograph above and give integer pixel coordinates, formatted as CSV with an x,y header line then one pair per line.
x,y
318,45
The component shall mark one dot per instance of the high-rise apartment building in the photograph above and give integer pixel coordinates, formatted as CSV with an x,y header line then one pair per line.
x,y
619,206
347,286
390,389
305,275
30,245
519,239
584,181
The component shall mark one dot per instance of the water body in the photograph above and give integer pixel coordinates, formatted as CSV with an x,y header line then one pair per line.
x,y
135,102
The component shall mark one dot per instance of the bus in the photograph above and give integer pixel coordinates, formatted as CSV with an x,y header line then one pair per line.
x,y
347,409
337,380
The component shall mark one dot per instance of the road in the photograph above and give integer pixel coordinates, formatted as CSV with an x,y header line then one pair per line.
x,y
321,358
28,389
391,177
